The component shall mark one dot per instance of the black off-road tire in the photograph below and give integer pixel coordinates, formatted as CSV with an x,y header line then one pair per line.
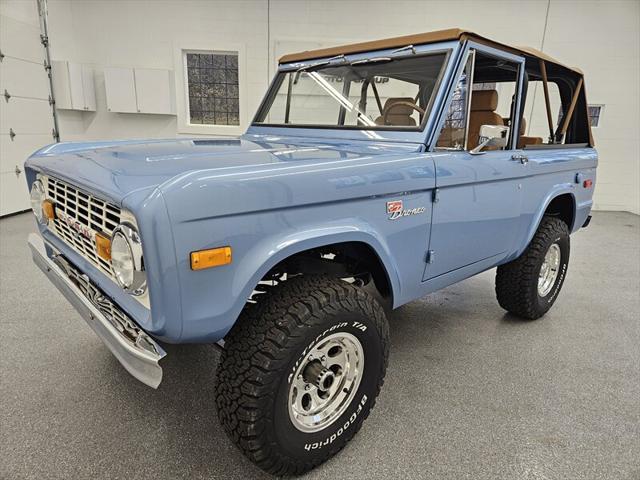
x,y
517,281
261,353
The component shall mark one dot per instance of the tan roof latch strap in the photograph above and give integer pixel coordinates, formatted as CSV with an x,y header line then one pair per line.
x,y
572,106
545,85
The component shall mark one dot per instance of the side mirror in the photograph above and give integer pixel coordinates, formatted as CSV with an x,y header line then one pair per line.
x,y
491,136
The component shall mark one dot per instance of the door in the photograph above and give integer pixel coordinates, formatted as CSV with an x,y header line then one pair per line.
x,y
26,118
88,89
477,209
76,87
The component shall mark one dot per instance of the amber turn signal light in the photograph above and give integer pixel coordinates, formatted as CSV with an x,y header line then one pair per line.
x,y
214,257
103,247
49,209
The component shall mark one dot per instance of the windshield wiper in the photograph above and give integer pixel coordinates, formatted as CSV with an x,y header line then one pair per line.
x,y
372,60
384,59
315,66
312,67
408,47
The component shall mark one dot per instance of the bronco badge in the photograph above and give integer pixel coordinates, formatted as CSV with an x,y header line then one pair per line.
x,y
395,210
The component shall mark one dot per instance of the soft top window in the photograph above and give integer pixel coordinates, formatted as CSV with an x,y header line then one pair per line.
x,y
564,93
376,93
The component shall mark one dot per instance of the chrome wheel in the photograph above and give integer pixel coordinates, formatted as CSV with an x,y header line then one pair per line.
x,y
549,270
325,382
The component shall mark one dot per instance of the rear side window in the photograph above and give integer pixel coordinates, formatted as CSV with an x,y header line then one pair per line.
x,y
535,128
565,121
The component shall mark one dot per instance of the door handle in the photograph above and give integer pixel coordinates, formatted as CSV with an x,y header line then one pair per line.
x,y
523,159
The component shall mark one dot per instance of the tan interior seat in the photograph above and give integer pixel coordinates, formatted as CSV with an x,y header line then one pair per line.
x,y
523,139
400,115
483,106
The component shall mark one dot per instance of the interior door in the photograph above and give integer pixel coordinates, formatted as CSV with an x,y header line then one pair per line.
x,y
476,216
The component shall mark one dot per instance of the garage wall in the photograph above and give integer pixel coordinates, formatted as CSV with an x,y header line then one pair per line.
x,y
146,35
601,37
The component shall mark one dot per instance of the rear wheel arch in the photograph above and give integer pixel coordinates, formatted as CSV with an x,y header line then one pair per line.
x,y
560,203
562,206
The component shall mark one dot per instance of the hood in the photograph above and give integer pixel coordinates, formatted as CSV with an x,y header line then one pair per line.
x,y
117,169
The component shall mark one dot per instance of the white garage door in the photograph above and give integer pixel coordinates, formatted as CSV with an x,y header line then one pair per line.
x,y
26,118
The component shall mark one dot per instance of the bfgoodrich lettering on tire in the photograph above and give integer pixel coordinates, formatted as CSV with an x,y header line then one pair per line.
x,y
529,285
301,371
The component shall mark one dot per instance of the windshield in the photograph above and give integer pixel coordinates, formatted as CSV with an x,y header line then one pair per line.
x,y
374,93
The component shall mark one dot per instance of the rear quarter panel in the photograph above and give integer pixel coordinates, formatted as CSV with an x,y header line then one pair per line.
x,y
550,173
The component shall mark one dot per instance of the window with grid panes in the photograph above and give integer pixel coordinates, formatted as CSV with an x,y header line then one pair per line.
x,y
213,88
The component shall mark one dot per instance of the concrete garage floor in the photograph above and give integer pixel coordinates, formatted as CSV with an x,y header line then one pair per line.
x,y
470,392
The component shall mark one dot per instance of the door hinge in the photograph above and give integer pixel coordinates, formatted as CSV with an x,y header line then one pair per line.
x,y
429,258
17,171
7,95
12,134
1,56
435,195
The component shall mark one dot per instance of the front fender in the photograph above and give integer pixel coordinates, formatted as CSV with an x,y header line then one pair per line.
x,y
214,298
266,255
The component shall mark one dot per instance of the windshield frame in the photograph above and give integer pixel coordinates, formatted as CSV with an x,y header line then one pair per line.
x,y
283,70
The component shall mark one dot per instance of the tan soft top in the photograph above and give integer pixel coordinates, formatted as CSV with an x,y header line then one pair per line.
x,y
416,39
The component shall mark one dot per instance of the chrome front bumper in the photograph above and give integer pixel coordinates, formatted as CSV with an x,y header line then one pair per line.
x,y
136,351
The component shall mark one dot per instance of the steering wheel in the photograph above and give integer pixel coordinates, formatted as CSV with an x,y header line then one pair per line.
x,y
400,104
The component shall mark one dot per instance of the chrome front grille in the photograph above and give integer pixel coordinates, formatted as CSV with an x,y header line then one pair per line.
x,y
91,212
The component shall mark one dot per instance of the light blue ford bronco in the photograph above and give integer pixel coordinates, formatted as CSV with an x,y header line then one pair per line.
x,y
371,175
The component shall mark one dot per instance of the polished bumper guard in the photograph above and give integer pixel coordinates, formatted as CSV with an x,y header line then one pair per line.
x,y
136,351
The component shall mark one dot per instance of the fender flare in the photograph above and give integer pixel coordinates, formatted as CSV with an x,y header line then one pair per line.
x,y
267,254
556,191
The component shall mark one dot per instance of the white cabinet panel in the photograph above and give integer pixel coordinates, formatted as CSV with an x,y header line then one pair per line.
x,y
139,90
61,89
21,40
120,87
76,91
23,79
26,116
14,152
154,91
73,86
14,196
89,89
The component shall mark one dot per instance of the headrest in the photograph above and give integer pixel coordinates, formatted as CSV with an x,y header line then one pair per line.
x,y
400,109
484,101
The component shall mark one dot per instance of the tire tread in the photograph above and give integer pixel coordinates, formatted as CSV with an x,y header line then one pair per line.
x,y
257,350
517,279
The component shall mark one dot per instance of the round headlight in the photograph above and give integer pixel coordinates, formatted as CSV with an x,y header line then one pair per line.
x,y
37,197
126,259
